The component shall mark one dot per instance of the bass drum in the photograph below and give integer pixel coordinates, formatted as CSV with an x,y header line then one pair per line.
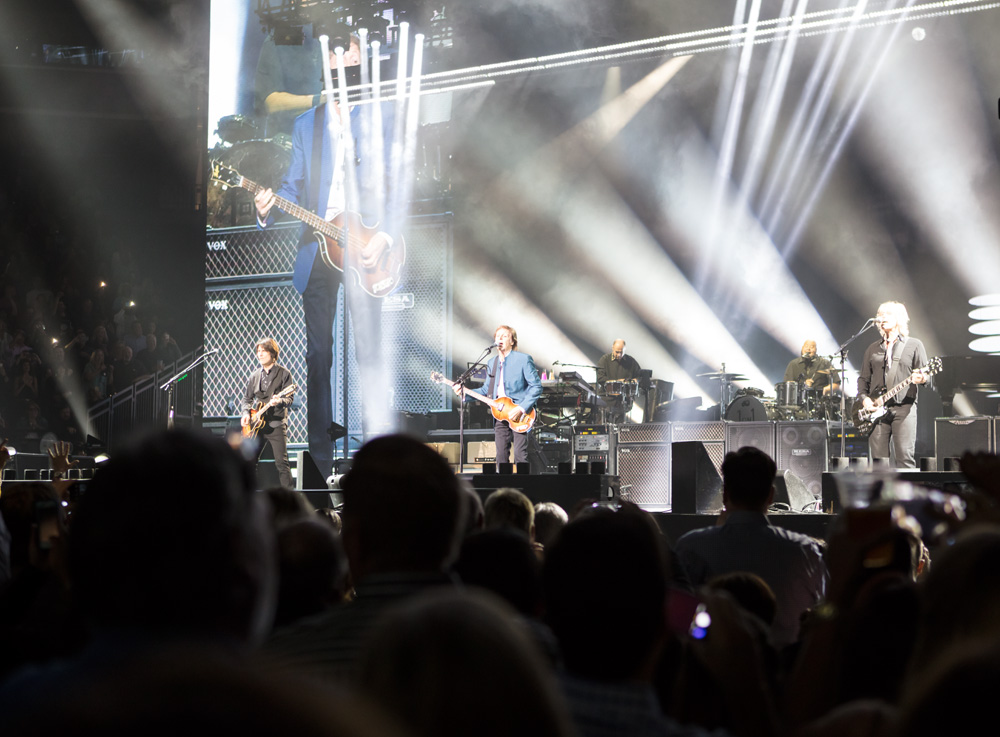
x,y
264,162
748,409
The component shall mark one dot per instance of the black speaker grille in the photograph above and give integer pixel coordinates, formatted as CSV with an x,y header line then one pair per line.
x,y
683,431
644,474
647,432
955,435
802,449
235,318
753,434
247,251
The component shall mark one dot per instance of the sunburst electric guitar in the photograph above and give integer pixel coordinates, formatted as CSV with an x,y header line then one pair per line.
x,y
340,239
500,407
865,419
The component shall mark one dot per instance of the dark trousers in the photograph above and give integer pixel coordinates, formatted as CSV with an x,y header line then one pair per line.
x,y
505,437
896,430
275,433
319,303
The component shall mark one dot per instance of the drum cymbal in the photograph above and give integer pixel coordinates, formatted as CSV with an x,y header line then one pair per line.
x,y
724,376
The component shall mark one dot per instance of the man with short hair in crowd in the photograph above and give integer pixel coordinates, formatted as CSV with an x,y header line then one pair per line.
x,y
402,514
789,562
606,600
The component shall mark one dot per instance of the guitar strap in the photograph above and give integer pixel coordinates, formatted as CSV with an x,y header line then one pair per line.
x,y
493,378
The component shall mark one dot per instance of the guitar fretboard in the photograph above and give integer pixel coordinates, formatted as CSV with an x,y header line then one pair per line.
x,y
297,211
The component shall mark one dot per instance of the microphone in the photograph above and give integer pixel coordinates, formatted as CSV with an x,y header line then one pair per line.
x,y
490,347
557,363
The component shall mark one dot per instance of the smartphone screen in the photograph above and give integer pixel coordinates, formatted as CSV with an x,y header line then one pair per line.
x,y
47,514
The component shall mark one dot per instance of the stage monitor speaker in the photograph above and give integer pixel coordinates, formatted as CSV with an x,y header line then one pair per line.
x,y
481,451
802,449
450,451
758,435
644,474
309,476
696,486
953,436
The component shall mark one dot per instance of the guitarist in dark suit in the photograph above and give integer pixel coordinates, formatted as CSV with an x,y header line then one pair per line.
x,y
887,362
264,384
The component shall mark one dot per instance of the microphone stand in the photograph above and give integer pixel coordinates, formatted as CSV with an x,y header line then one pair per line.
x,y
460,382
842,351
172,382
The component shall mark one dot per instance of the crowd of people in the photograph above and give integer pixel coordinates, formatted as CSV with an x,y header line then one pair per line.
x,y
170,595
75,326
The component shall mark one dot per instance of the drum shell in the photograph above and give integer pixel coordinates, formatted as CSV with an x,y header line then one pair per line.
x,y
787,394
624,389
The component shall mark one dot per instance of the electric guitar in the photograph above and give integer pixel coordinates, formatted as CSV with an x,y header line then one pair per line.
x,y
500,407
865,419
260,408
340,239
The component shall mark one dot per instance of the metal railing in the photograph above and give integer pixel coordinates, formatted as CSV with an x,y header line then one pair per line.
x,y
144,406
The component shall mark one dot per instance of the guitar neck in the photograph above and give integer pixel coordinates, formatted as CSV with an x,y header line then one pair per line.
x,y
309,218
477,395
895,390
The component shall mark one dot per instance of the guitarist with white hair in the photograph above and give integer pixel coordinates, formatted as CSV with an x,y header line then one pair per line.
x,y
896,358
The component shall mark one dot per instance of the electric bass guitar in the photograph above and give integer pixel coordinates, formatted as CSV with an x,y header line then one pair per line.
x,y
260,408
340,240
865,419
500,407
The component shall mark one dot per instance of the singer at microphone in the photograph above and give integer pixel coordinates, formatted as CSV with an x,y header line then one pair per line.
x,y
811,370
511,374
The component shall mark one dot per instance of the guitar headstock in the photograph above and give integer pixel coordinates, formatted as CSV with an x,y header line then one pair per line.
x,y
437,377
224,175
933,366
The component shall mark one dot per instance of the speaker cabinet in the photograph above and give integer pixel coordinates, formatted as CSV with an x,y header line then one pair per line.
x,y
481,451
802,449
644,475
953,436
758,435
308,474
696,485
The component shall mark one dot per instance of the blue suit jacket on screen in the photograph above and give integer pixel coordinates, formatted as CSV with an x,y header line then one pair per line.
x,y
295,185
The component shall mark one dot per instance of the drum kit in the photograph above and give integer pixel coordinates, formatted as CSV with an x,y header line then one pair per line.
x,y
264,160
793,400
619,397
